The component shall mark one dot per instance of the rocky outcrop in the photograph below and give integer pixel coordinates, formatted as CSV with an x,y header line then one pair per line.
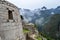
x,y
32,31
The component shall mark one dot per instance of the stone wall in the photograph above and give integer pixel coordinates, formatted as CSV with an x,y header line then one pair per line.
x,y
10,29
30,27
7,3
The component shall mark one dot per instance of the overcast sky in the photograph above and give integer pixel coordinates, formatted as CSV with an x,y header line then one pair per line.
x,y
33,4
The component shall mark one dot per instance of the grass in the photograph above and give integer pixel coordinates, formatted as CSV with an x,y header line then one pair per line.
x,y
26,30
38,38
46,36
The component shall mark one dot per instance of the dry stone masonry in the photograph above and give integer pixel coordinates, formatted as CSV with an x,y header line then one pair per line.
x,y
10,22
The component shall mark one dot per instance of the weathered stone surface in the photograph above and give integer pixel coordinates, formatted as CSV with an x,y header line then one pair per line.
x,y
10,29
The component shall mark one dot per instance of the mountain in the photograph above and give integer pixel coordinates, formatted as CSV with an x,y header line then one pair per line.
x,y
47,20
52,28
27,14
39,16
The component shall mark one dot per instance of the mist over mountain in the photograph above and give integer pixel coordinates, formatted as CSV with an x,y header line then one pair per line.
x,y
39,16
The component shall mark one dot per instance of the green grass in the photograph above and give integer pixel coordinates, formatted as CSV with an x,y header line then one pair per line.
x,y
46,36
26,30
38,38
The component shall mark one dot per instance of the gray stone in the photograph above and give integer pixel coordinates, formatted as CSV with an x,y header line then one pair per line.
x,y
10,29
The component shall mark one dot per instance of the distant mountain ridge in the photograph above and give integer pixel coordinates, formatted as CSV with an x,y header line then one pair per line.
x,y
47,20
39,14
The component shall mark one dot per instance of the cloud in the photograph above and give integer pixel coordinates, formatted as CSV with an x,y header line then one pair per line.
x,y
32,4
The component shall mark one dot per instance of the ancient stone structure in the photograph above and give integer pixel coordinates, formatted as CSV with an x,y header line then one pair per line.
x,y
32,31
10,22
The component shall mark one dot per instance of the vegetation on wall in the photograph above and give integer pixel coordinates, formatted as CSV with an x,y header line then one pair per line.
x,y
26,30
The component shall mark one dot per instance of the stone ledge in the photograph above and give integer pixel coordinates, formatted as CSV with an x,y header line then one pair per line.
x,y
8,4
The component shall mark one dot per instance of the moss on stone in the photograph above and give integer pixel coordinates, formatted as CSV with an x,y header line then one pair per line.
x,y
26,30
39,38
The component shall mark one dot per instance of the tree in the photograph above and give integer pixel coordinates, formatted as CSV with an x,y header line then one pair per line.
x,y
52,27
21,17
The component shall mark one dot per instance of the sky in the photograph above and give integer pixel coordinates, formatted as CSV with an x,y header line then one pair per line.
x,y
34,4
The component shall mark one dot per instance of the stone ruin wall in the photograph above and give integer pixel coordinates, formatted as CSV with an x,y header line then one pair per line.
x,y
8,4
10,29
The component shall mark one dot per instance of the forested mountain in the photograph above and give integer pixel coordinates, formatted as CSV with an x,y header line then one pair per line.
x,y
47,20
39,16
52,28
